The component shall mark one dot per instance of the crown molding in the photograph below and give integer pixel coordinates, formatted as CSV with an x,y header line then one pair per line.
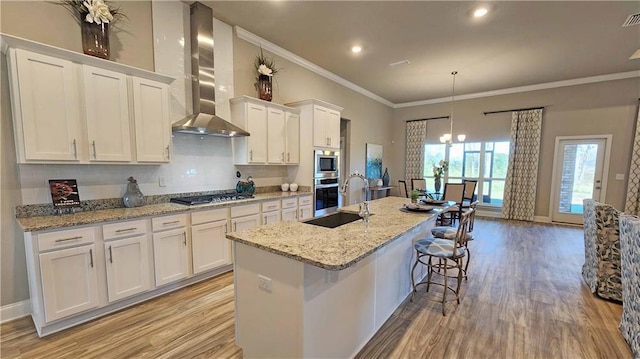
x,y
543,86
288,55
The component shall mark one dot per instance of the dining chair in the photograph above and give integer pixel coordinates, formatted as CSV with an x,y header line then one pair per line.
x,y
453,192
449,254
418,183
402,185
469,190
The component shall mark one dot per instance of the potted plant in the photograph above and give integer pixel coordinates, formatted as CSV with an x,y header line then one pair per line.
x,y
414,196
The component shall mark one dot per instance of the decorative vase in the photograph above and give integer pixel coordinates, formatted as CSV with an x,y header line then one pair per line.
x,y
293,187
437,184
95,39
264,87
385,178
133,197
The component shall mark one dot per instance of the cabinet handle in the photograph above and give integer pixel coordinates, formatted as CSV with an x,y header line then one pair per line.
x,y
265,219
251,155
75,149
327,141
168,153
95,154
68,239
91,256
126,229
272,207
110,255
235,226
168,223
282,156
184,235
288,157
225,228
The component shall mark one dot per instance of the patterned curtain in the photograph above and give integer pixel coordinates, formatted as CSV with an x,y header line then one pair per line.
x,y
414,161
522,173
632,204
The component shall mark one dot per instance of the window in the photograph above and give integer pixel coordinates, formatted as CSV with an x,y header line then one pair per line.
x,y
485,162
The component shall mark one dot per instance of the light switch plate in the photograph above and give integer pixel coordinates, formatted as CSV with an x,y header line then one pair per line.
x,y
620,176
162,181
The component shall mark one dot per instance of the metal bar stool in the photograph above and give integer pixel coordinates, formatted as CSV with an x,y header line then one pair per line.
x,y
449,255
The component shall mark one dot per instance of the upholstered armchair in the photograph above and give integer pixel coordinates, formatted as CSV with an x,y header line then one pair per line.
x,y
630,262
601,269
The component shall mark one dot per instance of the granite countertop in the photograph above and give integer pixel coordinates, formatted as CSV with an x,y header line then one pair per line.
x,y
341,247
32,224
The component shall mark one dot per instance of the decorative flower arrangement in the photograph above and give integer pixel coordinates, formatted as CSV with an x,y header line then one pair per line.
x,y
93,11
438,171
264,65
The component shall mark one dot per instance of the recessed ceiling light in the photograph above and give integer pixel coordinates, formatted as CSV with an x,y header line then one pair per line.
x,y
480,12
356,49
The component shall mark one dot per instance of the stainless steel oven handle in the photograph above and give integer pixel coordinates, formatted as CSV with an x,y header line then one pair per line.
x,y
327,185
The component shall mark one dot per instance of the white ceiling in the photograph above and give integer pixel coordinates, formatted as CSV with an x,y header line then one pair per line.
x,y
518,43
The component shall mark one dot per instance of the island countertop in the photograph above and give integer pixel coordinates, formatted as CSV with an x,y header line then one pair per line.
x,y
341,247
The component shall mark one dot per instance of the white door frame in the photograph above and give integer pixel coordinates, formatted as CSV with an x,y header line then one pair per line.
x,y
605,166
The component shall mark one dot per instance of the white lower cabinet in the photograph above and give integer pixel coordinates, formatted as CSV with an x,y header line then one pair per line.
x,y
305,208
127,263
245,217
69,281
290,214
210,247
171,256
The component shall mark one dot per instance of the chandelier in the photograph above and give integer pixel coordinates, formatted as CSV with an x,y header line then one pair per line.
x,y
448,137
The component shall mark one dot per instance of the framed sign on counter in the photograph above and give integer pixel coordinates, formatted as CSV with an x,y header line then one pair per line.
x,y
64,193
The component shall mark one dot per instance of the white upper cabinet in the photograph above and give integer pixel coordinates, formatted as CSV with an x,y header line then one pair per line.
x,y
73,108
45,99
107,114
324,120
151,118
293,138
274,135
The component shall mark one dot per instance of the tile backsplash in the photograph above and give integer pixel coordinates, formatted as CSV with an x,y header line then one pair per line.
x,y
199,163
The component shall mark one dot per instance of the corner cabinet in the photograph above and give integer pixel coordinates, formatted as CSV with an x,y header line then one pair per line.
x,y
73,108
324,119
274,129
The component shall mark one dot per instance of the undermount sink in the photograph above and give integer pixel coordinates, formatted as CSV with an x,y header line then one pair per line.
x,y
334,220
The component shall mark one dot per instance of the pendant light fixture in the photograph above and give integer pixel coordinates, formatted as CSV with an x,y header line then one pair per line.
x,y
448,137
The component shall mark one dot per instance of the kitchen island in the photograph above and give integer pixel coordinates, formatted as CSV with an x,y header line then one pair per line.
x,y
307,291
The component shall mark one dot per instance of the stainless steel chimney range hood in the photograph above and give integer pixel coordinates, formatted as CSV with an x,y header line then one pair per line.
x,y
204,120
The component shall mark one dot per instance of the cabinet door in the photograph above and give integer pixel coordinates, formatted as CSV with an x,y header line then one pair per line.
x,y
210,247
257,126
333,128
107,115
151,117
127,267
306,212
320,138
69,281
293,138
276,135
171,256
271,217
289,214
48,108
246,222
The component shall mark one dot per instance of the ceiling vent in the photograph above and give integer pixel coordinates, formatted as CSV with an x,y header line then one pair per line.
x,y
633,19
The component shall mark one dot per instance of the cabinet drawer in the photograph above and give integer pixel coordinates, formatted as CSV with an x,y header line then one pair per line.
x,y
167,222
209,216
245,210
66,238
289,203
124,229
306,200
270,206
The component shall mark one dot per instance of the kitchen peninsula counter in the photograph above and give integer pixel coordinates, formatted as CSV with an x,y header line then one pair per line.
x,y
304,291
39,223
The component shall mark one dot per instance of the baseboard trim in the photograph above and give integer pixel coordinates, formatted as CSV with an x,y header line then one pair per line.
x,y
542,219
490,214
15,310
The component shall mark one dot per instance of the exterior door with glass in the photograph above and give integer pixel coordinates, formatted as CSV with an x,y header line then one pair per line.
x,y
580,171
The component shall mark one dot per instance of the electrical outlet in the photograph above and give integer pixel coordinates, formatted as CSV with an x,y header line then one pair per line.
x,y
619,176
264,283
162,181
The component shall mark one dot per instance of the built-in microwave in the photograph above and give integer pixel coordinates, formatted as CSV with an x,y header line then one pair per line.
x,y
327,164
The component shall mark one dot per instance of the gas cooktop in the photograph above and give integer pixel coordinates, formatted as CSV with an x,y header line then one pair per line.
x,y
210,198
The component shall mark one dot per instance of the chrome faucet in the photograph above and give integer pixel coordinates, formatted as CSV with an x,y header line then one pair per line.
x,y
364,206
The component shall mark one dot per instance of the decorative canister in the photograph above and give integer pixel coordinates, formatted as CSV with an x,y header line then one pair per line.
x,y
247,187
293,187
133,197
284,187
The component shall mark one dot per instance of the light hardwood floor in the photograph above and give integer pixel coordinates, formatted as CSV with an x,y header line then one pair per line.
x,y
525,298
